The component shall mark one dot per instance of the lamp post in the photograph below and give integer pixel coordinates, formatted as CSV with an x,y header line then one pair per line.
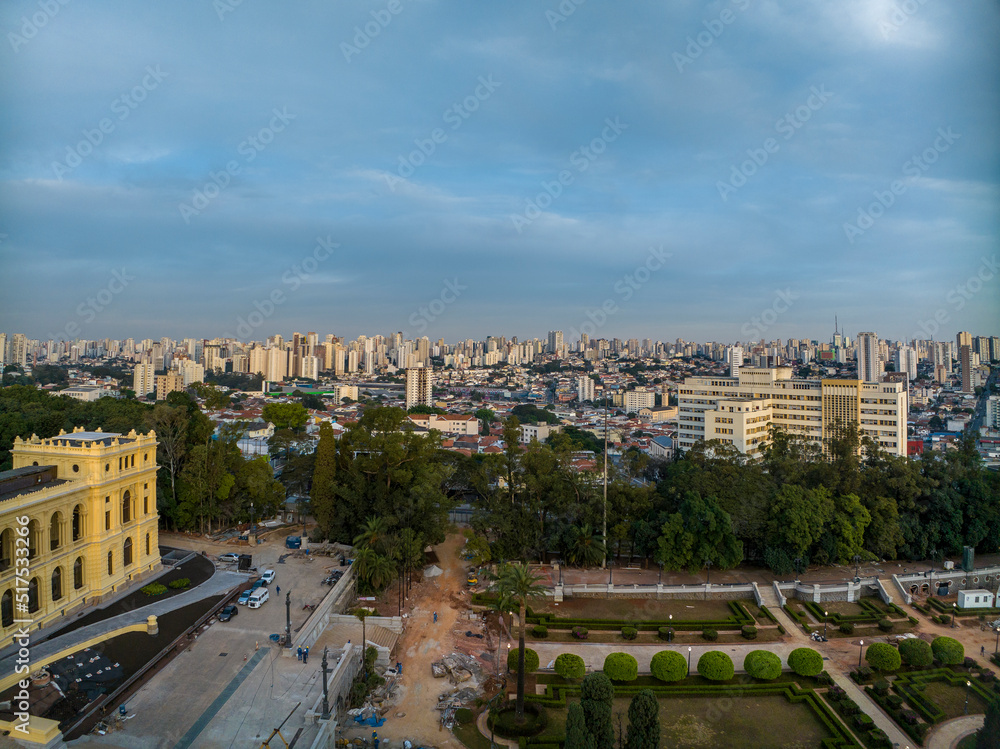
x,y
659,578
708,578
326,697
288,619
857,565
689,660
508,657
996,648
861,650
954,610
967,685
826,615
670,634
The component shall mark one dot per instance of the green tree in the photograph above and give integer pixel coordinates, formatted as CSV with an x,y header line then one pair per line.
x,y
587,549
700,531
948,650
668,665
916,652
521,584
285,415
577,736
570,666
597,697
643,722
323,494
715,665
805,661
621,667
762,664
171,426
372,533
988,737
882,656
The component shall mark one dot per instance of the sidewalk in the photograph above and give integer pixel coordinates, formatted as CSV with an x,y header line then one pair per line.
x,y
947,735
883,721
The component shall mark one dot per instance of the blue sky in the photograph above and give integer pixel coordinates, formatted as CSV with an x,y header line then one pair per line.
x,y
711,171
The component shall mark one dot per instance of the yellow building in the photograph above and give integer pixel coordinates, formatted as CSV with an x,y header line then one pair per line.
x,y
85,506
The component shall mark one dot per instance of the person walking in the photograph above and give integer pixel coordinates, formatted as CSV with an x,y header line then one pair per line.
x,y
435,617
278,590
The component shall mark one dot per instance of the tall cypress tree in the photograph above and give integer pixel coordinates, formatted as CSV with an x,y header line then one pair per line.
x,y
989,735
643,722
322,495
576,729
596,696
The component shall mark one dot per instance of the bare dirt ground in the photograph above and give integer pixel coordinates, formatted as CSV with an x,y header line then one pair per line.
x,y
424,642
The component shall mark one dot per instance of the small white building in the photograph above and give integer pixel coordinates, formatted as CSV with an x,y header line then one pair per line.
x,y
975,599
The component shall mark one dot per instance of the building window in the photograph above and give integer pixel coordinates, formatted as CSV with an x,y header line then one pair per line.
x,y
126,507
33,595
7,609
34,537
111,563
107,520
127,552
107,467
78,522
119,463
147,544
57,583
78,573
76,468
6,549
55,525
133,461
145,505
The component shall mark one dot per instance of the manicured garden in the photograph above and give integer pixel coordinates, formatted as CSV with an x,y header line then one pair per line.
x,y
842,618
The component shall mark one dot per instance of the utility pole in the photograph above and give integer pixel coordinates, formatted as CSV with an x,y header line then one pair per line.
x,y
604,531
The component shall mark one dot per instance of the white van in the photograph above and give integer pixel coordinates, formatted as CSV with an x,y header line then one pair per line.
x,y
257,598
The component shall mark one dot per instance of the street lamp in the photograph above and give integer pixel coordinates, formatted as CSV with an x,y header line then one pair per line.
x,y
826,615
861,650
288,620
954,610
967,685
996,648
659,579
326,698
689,660
857,565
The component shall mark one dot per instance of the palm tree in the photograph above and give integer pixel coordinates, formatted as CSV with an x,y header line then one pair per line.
x,y
364,560
587,549
362,614
381,573
503,603
521,584
371,533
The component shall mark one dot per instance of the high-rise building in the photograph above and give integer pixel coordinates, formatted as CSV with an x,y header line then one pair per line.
x,y
735,360
963,339
555,344
310,367
277,364
965,356
168,383
869,361
19,350
419,382
585,389
906,361
143,379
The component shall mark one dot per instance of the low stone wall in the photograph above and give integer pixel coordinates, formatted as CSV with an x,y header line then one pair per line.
x,y
725,592
335,602
927,582
818,592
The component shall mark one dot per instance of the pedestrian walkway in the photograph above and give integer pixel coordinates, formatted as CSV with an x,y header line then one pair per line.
x,y
484,729
881,720
947,735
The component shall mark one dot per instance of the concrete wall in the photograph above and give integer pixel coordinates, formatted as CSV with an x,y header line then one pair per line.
x,y
335,602
730,592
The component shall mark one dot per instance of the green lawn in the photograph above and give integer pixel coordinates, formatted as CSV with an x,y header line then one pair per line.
x,y
951,699
640,609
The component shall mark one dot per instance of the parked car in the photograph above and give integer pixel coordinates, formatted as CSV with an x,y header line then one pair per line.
x,y
268,577
256,584
244,597
228,613
229,557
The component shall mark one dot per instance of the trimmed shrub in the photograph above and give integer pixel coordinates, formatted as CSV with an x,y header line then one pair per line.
x,y
665,633
629,633
948,650
881,687
749,632
621,667
863,674
863,722
570,666
580,633
847,628
154,589
849,706
883,657
530,660
824,679
504,720
464,716
878,738
716,666
969,662
668,665
894,701
183,582
540,631
805,662
915,652
710,634
885,625
835,694
762,664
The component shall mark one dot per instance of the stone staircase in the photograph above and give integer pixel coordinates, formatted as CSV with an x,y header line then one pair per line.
x,y
338,634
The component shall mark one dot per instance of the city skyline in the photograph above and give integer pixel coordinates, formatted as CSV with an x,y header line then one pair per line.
x,y
726,171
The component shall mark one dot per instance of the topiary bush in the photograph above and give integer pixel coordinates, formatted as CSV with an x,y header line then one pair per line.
x,y
580,633
805,662
948,650
749,632
530,660
885,625
504,720
847,628
540,631
570,666
883,657
716,666
621,667
762,664
915,652
154,589
668,665
710,634
629,633
665,633
824,679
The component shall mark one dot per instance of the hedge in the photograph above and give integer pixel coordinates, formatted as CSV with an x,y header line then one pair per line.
x,y
668,665
910,687
883,657
762,664
716,666
154,589
871,612
710,634
805,662
183,582
666,633
570,666
948,650
629,633
749,632
949,609
916,652
621,667
530,660
540,631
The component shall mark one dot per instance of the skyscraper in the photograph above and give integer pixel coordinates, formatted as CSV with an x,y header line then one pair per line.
x,y
555,342
418,386
965,359
869,363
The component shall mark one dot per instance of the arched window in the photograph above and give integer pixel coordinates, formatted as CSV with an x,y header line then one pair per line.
x,y
78,573
111,563
127,552
7,609
126,506
57,583
34,538
147,544
6,549
33,595
55,526
78,522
